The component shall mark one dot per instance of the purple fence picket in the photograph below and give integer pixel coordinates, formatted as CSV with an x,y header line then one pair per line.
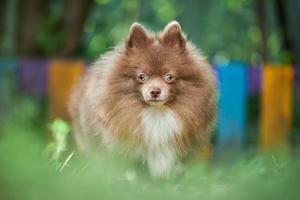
x,y
254,80
33,74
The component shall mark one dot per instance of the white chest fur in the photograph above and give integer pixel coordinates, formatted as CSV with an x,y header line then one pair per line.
x,y
159,126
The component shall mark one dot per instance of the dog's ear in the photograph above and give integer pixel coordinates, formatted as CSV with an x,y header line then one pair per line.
x,y
138,37
172,36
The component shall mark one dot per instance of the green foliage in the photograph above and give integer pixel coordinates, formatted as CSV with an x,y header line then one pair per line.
x,y
103,1
110,21
223,29
51,37
167,11
60,130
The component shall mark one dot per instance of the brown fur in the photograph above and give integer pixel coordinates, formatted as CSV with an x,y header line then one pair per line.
x,y
108,97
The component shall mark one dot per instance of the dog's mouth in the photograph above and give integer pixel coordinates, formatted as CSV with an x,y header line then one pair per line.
x,y
155,102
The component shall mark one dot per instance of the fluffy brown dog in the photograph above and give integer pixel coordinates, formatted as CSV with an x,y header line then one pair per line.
x,y
155,92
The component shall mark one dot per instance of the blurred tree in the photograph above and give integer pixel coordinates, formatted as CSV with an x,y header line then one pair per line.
x,y
285,15
108,24
283,24
231,29
261,21
52,27
8,43
223,29
32,14
2,17
50,37
74,15
279,24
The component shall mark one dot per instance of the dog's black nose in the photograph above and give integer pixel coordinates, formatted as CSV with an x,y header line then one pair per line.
x,y
155,92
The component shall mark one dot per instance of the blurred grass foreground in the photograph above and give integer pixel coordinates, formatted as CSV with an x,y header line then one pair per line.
x,y
38,161
32,168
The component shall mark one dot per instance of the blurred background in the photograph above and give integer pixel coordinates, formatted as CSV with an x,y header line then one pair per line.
x,y
248,30
46,45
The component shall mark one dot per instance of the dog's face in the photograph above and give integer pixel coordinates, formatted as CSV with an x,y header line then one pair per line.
x,y
156,90
156,65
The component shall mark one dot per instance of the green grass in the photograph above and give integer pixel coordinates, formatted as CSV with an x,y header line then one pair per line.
x,y
29,171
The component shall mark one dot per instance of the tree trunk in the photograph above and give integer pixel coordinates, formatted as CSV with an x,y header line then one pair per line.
x,y
74,15
2,18
9,28
32,14
287,43
261,20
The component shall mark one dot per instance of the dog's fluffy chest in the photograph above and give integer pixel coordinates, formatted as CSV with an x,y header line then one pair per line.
x,y
159,125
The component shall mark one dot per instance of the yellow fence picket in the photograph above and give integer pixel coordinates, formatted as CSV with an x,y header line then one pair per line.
x,y
276,104
62,76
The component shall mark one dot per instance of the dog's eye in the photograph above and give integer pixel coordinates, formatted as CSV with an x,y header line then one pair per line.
x,y
141,77
169,78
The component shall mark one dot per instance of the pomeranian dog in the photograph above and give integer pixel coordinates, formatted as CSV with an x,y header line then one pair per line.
x,y
154,92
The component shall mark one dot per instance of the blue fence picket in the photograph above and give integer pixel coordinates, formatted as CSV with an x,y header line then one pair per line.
x,y
8,71
33,76
8,78
232,105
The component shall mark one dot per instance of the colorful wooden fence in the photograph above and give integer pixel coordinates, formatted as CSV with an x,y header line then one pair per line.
x,y
276,105
237,81
8,69
8,78
232,105
62,76
33,76
254,80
